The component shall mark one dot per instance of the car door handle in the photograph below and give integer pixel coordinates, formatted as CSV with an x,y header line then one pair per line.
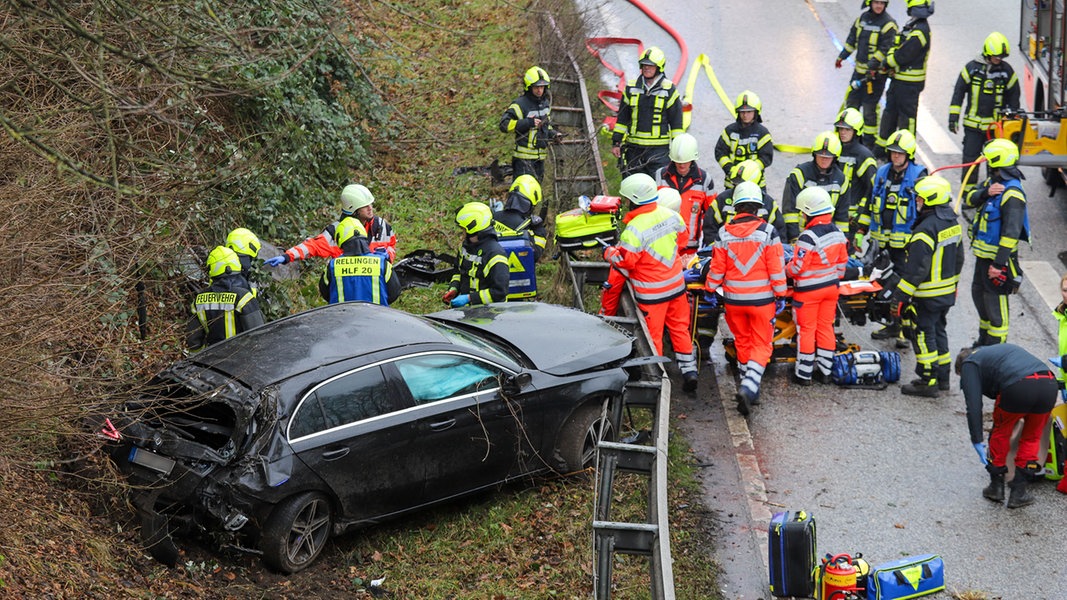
x,y
442,425
335,453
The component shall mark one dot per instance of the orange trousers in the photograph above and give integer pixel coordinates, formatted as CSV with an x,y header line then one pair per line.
x,y
753,329
815,311
672,315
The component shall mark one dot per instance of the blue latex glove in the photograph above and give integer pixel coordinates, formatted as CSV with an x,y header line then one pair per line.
x,y
779,305
982,451
711,300
1057,361
274,261
461,300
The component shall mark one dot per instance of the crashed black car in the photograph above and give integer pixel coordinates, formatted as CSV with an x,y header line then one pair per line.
x,y
349,414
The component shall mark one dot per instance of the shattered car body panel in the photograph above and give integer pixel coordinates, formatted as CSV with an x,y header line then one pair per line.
x,y
350,414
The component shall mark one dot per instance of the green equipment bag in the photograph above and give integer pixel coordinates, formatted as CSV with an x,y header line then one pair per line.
x,y
577,229
1057,443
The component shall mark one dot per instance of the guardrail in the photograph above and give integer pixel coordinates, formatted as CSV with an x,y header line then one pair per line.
x,y
578,170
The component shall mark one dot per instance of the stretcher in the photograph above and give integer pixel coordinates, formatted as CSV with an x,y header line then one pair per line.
x,y
861,300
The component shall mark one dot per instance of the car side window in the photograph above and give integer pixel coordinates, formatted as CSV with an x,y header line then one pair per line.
x,y
347,399
433,377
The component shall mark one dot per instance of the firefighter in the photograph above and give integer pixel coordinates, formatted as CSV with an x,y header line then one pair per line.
x,y
517,218
650,116
818,263
482,272
693,183
358,275
747,263
999,224
246,246
745,138
907,69
870,38
721,208
529,118
856,160
1024,389
821,171
928,280
647,256
991,88
891,211
226,307
357,201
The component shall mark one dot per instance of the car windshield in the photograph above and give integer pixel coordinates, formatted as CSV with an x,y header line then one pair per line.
x,y
470,339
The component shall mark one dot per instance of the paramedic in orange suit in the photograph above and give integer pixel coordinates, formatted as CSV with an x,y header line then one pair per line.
x,y
647,256
747,263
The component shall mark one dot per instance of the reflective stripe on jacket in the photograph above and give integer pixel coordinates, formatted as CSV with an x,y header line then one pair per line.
x,y
911,49
648,253
649,115
695,189
988,89
997,228
530,142
891,212
747,262
935,257
819,255
359,279
807,174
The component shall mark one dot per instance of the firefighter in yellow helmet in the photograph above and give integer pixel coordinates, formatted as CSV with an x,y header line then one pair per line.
x,y
928,280
358,275
650,116
722,209
529,118
821,171
1000,223
991,88
906,61
517,218
856,160
746,138
870,38
246,245
482,271
226,307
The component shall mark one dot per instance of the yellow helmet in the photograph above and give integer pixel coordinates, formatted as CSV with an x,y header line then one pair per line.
x,y
683,148
347,228
851,118
826,144
920,8
995,45
243,241
639,188
901,140
747,170
474,217
748,100
222,260
933,190
1000,152
528,187
535,76
355,197
653,56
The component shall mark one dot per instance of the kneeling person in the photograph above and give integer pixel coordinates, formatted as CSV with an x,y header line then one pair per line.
x,y
358,275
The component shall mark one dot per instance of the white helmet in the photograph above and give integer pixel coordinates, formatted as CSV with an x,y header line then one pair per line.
x,y
670,198
683,148
639,188
814,201
747,192
355,197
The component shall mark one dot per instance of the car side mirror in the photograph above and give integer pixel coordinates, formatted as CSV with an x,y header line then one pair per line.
x,y
513,384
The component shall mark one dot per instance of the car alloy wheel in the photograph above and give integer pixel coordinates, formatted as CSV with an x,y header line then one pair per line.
x,y
297,532
580,436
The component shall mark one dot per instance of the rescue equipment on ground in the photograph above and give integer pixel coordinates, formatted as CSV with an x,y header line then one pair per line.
x,y
791,554
1057,445
423,268
594,224
866,368
909,577
841,577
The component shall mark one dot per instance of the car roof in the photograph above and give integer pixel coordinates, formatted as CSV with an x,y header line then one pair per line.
x,y
313,338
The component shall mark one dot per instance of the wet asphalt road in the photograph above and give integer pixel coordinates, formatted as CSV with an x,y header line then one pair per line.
x,y
885,474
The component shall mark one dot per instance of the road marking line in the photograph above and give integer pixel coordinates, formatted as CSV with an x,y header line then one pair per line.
x,y
1045,279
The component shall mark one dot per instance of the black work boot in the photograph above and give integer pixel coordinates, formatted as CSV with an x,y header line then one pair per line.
x,y
690,379
924,389
1019,495
743,406
995,490
942,384
888,332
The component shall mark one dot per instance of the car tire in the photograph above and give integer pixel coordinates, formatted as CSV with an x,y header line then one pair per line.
x,y
580,435
297,532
